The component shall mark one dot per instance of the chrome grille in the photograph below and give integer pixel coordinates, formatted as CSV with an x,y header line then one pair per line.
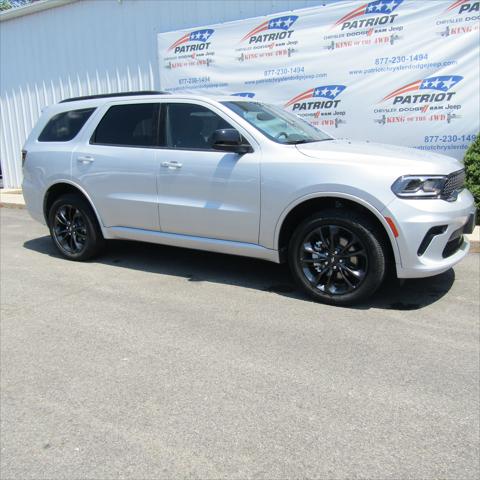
x,y
454,184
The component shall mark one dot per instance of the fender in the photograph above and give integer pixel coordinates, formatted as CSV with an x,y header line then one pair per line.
x,y
334,194
87,196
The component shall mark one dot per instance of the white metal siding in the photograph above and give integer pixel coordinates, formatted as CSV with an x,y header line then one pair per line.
x,y
94,46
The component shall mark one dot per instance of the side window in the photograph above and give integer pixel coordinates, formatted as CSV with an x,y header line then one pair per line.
x,y
190,126
128,125
65,126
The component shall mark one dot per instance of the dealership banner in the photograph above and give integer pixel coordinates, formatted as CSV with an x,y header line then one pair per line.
x,y
404,72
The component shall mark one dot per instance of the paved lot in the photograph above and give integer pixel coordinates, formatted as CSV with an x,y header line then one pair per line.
x,y
154,362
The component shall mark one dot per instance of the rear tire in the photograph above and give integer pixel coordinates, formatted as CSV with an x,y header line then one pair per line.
x,y
74,228
337,257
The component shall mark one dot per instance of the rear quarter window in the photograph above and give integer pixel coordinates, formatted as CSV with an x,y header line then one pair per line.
x,y
65,126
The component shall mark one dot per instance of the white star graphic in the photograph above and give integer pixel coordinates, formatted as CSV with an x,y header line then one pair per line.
x,y
435,83
390,6
317,92
288,22
205,36
370,8
194,36
449,83
379,6
335,91
325,91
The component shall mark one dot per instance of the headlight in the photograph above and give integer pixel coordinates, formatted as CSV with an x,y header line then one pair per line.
x,y
419,186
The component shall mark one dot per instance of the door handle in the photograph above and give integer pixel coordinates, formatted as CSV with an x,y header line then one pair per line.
x,y
172,165
86,159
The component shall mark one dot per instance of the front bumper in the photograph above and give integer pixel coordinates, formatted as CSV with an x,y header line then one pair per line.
x,y
430,239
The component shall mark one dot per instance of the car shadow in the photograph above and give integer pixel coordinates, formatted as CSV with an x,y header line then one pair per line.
x,y
200,266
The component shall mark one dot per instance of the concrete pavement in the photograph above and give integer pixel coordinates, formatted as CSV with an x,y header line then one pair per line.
x,y
11,199
158,363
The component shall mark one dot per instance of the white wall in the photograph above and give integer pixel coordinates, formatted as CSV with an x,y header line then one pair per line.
x,y
94,46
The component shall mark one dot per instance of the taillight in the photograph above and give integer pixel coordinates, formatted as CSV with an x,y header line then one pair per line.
x,y
24,157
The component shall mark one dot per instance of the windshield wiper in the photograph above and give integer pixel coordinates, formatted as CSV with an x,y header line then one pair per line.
x,y
298,142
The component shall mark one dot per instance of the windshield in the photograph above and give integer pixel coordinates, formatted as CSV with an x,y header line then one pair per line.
x,y
277,124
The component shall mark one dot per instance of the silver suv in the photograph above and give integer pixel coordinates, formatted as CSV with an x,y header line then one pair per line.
x,y
237,176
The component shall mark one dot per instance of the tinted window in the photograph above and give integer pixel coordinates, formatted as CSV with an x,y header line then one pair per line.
x,y
65,126
190,126
130,125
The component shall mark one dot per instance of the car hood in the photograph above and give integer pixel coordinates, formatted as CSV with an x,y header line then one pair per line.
x,y
402,159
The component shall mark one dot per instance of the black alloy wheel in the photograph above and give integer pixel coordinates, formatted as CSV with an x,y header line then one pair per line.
x,y
74,227
334,260
338,256
70,229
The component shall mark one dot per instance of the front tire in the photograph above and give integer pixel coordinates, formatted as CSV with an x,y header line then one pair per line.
x,y
74,228
337,257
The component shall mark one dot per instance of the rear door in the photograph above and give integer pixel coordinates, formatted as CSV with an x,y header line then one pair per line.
x,y
118,167
205,192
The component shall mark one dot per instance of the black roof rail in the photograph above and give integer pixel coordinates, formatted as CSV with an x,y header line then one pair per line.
x,y
119,94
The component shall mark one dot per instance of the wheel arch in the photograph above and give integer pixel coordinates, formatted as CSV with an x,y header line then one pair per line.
x,y
62,187
306,206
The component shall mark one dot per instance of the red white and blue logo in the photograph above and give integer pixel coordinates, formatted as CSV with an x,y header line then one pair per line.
x,y
243,94
464,6
328,92
441,83
456,4
273,29
193,41
378,7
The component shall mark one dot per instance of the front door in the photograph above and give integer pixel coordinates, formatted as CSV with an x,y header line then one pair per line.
x,y
205,192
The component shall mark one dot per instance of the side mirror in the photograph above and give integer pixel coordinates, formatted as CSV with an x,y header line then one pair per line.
x,y
229,140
